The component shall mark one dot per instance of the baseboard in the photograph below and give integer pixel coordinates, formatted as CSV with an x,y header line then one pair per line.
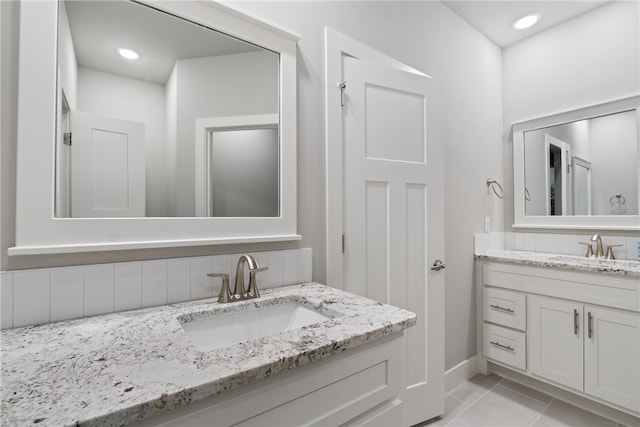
x,y
590,405
460,373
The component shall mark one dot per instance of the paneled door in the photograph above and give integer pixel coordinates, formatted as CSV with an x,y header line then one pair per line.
x,y
391,219
107,167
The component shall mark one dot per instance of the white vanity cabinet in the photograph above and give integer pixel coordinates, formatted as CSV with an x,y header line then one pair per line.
x,y
581,334
359,387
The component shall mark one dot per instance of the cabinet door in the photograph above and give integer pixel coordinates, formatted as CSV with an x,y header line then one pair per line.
x,y
555,339
611,356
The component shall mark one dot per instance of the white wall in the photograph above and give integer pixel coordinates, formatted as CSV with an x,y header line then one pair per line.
x,y
217,86
136,100
588,60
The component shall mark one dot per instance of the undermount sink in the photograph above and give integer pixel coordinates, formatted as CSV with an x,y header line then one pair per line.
x,y
233,328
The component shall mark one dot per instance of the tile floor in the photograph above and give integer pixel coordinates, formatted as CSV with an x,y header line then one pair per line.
x,y
493,401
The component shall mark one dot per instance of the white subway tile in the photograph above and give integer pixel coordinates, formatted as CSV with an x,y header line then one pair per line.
x,y
632,248
518,241
275,261
290,267
509,240
540,242
234,265
552,243
305,265
127,286
201,285
31,297
154,283
67,293
530,242
6,300
98,290
178,280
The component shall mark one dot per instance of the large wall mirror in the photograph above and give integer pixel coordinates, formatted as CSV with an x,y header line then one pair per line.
x,y
187,137
579,169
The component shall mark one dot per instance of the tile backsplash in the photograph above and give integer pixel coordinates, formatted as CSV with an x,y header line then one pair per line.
x,y
29,297
565,244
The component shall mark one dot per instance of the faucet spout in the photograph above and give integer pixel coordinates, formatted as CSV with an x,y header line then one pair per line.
x,y
239,290
599,251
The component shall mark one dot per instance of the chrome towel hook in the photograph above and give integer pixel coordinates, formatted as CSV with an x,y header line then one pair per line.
x,y
493,184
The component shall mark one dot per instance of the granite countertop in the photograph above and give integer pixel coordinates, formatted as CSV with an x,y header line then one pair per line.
x,y
567,262
122,367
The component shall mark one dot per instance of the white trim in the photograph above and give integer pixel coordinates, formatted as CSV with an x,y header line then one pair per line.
x,y
338,46
202,146
599,222
460,373
37,231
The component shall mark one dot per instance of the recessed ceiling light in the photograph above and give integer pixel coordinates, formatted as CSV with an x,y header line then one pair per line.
x,y
128,53
526,21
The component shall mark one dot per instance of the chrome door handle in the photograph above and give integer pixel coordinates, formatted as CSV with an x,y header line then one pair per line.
x,y
438,265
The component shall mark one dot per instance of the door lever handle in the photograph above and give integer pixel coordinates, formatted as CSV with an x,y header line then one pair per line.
x,y
438,265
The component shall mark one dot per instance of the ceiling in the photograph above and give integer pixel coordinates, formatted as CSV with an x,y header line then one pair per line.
x,y
98,28
494,18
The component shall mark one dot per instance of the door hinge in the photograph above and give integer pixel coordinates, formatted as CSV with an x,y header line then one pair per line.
x,y
342,87
66,138
343,243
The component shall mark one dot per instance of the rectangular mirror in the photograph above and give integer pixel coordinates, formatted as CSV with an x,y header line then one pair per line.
x,y
579,169
133,81
121,154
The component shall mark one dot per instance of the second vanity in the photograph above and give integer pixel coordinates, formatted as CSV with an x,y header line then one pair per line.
x,y
141,367
568,322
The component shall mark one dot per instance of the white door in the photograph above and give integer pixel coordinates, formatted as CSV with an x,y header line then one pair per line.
x,y
107,167
611,354
392,184
555,339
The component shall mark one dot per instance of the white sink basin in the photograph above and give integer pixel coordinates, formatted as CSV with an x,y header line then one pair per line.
x,y
234,328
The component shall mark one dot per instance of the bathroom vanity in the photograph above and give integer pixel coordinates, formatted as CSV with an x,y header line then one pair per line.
x,y
142,366
570,322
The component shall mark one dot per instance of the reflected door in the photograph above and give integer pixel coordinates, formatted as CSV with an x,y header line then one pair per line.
x,y
107,167
392,193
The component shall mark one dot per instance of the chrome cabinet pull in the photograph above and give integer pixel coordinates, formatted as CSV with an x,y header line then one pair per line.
x,y
505,347
497,307
590,324
575,321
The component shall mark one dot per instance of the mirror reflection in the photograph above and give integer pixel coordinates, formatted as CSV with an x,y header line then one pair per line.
x,y
127,143
586,167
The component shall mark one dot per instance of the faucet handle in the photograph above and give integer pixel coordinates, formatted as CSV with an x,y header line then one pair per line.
x,y
589,253
609,254
253,292
225,292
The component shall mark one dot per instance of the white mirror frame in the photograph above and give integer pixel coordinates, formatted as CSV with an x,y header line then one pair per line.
x,y
585,222
39,232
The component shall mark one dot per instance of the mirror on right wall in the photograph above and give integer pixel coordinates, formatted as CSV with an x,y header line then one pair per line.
x,y
579,169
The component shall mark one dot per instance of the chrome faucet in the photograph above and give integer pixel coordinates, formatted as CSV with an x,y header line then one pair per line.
x,y
239,291
599,251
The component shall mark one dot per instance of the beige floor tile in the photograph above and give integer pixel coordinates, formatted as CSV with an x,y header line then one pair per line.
x,y
529,392
502,407
560,414
541,423
470,391
452,407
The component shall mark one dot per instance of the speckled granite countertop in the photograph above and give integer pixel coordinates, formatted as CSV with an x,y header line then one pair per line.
x,y
567,262
122,367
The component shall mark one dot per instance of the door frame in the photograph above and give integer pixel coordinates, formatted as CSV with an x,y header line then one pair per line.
x,y
337,46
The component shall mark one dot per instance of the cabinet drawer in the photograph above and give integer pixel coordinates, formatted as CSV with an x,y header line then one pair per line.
x,y
505,308
504,345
